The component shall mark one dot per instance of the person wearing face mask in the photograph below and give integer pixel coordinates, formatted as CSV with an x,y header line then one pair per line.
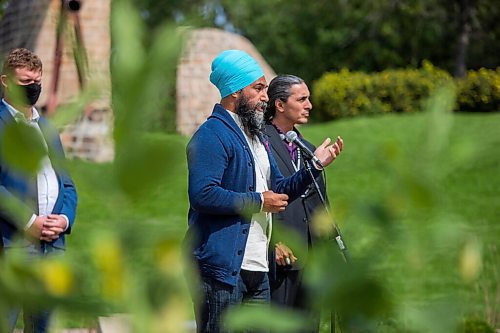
x,y
37,208
233,186
289,106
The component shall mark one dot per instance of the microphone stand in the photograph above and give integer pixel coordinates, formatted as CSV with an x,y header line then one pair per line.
x,y
336,230
337,235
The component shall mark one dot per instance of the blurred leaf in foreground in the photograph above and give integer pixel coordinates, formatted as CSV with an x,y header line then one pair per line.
x,y
254,317
140,90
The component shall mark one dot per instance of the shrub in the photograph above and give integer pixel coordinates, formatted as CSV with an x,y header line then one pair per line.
x,y
347,93
479,91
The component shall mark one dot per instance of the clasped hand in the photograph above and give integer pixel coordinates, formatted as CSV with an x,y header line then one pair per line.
x,y
48,228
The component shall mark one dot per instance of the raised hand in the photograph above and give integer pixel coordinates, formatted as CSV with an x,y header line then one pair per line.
x,y
327,152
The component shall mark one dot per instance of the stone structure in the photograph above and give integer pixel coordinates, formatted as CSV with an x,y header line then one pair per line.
x,y
195,94
32,24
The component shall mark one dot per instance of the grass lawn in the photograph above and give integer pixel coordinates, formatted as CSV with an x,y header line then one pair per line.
x,y
444,170
454,164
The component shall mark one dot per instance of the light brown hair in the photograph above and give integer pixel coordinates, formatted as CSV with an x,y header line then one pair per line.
x,y
21,58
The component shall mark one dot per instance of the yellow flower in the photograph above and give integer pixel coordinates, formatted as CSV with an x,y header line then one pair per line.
x,y
109,260
470,260
168,257
57,277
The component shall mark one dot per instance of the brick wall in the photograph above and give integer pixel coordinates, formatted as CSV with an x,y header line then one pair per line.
x,y
196,95
32,24
21,24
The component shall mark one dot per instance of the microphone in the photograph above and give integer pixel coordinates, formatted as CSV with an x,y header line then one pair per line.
x,y
292,137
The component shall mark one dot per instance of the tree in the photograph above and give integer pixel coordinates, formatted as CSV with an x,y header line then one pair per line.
x,y
185,12
327,35
476,30
465,14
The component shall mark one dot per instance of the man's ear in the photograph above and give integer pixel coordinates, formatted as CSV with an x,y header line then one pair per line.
x,y
279,105
3,80
237,94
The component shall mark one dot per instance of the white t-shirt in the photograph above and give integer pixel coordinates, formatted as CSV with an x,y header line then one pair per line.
x,y
256,250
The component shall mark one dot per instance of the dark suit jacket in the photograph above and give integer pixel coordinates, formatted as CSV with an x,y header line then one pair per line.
x,y
299,212
19,188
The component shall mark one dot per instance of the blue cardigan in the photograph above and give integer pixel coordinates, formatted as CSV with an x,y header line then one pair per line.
x,y
222,195
20,188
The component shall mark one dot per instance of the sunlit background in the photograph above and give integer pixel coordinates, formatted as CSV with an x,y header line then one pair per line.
x,y
413,87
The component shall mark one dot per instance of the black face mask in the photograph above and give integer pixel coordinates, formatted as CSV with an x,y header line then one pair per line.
x,y
31,92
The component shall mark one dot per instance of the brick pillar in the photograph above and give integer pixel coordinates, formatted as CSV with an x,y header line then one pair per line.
x,y
196,95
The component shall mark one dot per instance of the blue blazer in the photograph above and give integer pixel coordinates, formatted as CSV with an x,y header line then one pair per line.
x,y
221,189
21,189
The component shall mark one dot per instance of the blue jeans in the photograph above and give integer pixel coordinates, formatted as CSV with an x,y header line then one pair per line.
x,y
252,289
35,320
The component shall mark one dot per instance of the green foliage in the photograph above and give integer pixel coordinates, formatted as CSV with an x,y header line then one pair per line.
x,y
256,319
475,325
416,197
191,13
408,192
22,148
3,4
72,111
143,74
484,43
479,91
346,94
123,259
139,80
363,35
489,286
185,12
330,35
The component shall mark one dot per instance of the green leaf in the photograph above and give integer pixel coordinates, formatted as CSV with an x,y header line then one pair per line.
x,y
142,165
23,147
256,317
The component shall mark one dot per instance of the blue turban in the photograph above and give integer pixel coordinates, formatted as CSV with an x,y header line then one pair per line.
x,y
233,70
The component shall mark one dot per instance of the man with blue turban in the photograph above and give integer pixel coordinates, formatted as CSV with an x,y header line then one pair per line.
x,y
234,185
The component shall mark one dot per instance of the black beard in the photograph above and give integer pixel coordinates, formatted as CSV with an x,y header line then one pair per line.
x,y
251,119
